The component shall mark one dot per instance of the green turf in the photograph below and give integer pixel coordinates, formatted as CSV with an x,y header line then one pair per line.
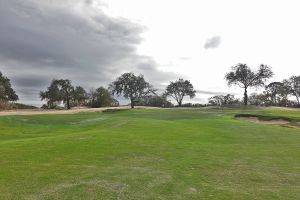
x,y
149,154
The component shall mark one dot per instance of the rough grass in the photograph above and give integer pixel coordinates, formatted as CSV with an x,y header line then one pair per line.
x,y
149,154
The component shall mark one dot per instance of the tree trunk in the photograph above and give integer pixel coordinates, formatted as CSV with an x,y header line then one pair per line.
x,y
68,104
245,97
132,102
297,97
180,100
179,103
68,100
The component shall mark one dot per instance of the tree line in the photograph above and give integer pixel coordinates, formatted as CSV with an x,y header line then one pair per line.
x,y
132,87
274,93
278,93
140,92
62,91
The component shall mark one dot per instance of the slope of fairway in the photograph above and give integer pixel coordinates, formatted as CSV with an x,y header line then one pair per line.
x,y
149,154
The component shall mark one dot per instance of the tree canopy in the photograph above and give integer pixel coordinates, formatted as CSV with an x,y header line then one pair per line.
x,y
79,96
59,91
155,101
179,89
293,86
221,100
7,93
101,97
244,77
132,87
277,92
259,99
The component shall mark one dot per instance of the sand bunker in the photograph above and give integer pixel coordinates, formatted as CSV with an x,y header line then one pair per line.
x,y
270,120
260,121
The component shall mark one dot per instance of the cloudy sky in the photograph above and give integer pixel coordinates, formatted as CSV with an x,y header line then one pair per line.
x,y
91,42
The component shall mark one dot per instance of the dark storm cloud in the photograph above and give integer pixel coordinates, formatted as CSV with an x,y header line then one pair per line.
x,y
41,40
33,81
213,42
61,37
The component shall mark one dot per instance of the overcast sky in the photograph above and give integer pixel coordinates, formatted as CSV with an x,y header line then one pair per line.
x,y
92,42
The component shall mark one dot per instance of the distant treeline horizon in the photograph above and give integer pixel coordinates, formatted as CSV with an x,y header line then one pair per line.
x,y
139,92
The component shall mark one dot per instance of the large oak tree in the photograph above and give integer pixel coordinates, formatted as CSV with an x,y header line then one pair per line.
x,y
179,89
245,78
132,87
59,91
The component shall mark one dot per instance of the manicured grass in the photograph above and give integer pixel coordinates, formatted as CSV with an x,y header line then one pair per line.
x,y
149,154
